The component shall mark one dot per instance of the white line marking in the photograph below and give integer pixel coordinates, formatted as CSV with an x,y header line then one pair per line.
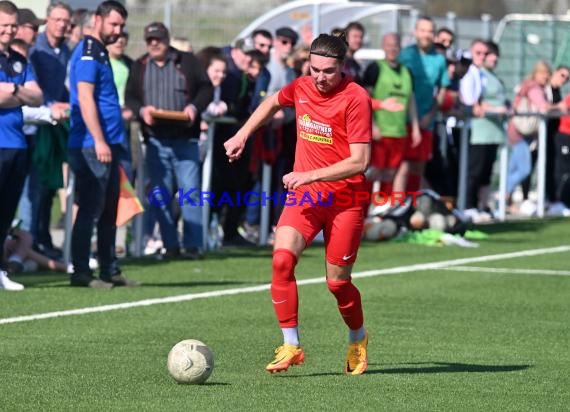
x,y
237,291
544,272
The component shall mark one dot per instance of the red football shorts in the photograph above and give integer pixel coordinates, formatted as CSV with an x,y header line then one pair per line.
x,y
388,152
423,151
341,226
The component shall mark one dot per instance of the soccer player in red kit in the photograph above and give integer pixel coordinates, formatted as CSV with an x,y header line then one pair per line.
x,y
333,150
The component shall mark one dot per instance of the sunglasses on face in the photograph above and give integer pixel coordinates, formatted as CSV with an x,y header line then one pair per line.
x,y
285,42
31,26
153,39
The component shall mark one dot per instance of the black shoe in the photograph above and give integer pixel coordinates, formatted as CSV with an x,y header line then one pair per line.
x,y
88,281
192,254
238,241
49,251
121,280
13,267
169,254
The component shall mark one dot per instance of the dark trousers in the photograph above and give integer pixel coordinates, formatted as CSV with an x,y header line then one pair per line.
x,y
231,180
97,195
13,171
481,160
562,168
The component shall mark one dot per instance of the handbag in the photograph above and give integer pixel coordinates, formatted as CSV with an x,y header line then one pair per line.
x,y
526,125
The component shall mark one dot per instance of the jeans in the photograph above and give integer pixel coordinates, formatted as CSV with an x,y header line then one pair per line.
x,y
519,165
97,195
29,201
13,170
179,160
253,210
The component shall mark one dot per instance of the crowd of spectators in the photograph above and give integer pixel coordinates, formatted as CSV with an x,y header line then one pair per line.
x,y
410,88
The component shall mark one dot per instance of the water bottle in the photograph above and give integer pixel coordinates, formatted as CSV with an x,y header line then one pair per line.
x,y
214,238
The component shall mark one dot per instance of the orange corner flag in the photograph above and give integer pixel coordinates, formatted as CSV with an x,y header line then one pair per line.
x,y
129,204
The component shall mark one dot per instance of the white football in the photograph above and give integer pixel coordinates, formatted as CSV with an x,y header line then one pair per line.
x,y
190,361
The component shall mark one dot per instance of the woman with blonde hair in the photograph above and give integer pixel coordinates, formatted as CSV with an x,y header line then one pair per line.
x,y
531,97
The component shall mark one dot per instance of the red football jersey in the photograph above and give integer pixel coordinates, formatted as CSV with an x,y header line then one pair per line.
x,y
326,125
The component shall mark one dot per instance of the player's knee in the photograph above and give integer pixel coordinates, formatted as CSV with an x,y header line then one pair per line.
x,y
336,286
284,262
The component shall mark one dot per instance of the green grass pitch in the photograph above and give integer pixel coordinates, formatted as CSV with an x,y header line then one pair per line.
x,y
444,339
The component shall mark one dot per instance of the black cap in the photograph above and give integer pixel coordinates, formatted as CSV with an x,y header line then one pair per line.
x,y
288,33
27,16
156,30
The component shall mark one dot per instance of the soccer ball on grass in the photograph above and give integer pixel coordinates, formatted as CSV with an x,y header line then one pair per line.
x,y
190,361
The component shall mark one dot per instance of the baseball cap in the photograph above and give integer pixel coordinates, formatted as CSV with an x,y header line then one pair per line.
x,y
288,33
245,45
156,30
27,16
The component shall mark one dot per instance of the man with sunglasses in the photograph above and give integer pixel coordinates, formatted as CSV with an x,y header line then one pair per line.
x,y
262,41
28,26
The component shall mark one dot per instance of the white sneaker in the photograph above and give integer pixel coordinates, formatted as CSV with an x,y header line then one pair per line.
x,y
558,209
93,265
7,284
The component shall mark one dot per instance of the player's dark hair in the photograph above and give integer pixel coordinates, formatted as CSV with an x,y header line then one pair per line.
x,y
329,45
105,8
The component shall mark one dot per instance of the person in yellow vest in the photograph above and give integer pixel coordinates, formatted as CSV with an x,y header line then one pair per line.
x,y
390,83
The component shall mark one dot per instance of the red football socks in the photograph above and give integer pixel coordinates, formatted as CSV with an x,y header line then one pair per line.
x,y
284,288
348,301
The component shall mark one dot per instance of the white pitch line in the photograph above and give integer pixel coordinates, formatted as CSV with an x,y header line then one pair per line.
x,y
236,291
544,272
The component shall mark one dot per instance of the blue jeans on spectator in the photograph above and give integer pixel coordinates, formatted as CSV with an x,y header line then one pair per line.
x,y
519,165
13,170
97,195
27,208
170,160
126,157
253,210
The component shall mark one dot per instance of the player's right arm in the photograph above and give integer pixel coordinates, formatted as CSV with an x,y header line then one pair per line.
x,y
265,111
90,114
